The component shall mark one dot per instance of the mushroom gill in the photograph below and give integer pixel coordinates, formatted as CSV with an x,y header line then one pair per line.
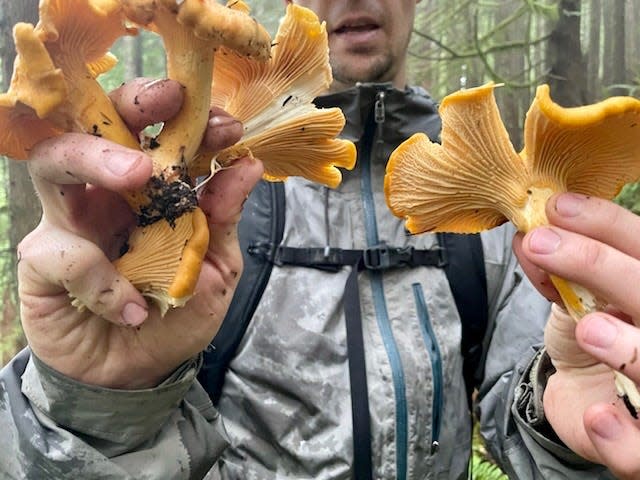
x,y
475,180
273,100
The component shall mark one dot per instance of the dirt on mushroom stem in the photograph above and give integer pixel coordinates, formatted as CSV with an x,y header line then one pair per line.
x,y
168,200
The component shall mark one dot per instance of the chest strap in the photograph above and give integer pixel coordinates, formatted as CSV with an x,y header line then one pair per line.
x,y
380,257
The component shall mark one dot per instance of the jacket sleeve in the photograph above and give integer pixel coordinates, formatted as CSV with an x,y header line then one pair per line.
x,y
510,398
55,427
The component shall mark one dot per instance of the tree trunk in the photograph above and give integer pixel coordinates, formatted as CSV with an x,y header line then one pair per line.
x,y
567,67
594,83
133,67
619,64
23,205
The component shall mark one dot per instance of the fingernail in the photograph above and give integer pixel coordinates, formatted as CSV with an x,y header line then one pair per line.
x,y
570,204
147,86
222,121
607,426
133,314
121,164
544,240
599,332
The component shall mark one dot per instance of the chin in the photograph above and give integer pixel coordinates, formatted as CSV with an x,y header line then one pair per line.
x,y
353,72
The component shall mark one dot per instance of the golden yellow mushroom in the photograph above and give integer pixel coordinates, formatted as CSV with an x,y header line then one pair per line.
x,y
68,49
274,101
475,180
37,88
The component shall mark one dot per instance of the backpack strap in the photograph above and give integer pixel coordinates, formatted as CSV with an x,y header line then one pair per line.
x,y
380,257
360,417
467,277
262,221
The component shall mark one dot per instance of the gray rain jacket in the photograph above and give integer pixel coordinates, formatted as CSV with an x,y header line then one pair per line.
x,y
286,399
286,396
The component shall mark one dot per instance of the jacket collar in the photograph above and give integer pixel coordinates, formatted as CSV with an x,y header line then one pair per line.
x,y
405,111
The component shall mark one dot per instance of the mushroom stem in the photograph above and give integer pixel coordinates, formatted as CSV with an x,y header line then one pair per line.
x,y
95,114
189,62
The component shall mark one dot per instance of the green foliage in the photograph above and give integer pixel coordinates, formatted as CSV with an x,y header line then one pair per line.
x,y
481,466
482,469
153,60
629,197
548,9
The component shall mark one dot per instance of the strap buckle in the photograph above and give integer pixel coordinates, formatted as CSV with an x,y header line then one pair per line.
x,y
381,257
265,250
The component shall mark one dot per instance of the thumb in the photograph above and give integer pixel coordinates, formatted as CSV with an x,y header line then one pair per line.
x,y
615,439
144,101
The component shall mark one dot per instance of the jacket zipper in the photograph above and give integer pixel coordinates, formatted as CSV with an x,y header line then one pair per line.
x,y
377,286
435,356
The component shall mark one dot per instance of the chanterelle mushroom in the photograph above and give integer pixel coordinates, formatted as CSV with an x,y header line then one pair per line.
x,y
74,35
167,248
37,88
475,180
274,101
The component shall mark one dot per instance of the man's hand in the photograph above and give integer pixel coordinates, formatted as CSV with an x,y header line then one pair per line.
x,y
595,244
118,340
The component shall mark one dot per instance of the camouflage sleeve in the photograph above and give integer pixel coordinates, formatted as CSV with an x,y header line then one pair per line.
x,y
510,397
54,427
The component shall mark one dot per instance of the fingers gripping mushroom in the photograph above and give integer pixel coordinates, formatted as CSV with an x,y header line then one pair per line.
x,y
475,180
191,31
274,101
76,35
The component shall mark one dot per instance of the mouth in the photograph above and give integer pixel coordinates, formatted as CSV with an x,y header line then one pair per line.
x,y
357,25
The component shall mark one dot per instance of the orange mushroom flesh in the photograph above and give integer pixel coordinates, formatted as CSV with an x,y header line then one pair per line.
x,y
475,180
76,35
167,206
274,101
37,88
191,31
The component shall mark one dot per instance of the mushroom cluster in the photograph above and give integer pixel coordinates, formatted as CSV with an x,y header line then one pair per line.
x,y
475,180
222,57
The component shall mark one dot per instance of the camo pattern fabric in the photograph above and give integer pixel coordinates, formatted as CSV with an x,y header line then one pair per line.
x,y
55,428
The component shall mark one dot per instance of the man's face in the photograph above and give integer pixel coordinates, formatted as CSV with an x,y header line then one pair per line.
x,y
368,39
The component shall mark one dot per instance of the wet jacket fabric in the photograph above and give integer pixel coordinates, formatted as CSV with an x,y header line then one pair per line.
x,y
286,399
286,396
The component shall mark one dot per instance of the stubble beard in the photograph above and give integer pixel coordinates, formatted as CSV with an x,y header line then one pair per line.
x,y
378,71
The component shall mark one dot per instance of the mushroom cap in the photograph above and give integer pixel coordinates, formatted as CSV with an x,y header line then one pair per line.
x,y
274,99
209,20
475,180
83,29
21,129
37,88
164,261
447,187
594,149
192,30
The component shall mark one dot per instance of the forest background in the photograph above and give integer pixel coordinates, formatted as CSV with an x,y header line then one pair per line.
x,y
586,50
